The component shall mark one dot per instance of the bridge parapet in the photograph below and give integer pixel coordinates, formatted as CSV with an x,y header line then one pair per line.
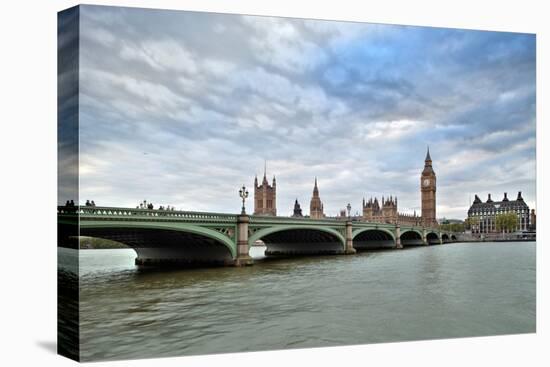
x,y
264,219
192,216
175,215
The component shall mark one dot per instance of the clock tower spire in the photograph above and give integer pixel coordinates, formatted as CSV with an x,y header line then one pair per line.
x,y
427,190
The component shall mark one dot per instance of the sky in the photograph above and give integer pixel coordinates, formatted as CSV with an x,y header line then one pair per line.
x,y
183,108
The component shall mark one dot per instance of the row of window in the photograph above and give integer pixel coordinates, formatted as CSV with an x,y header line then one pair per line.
x,y
483,217
523,212
501,209
489,225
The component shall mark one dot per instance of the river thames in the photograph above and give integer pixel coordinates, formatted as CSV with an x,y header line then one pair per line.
x,y
442,291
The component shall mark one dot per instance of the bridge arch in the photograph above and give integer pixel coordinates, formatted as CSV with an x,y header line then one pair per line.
x,y
453,237
370,238
362,230
157,242
432,238
445,237
299,239
411,237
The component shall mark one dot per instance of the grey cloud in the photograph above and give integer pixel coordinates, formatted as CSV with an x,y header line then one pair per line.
x,y
182,108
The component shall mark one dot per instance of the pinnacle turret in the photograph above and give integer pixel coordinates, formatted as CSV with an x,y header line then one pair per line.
x,y
428,158
316,209
265,196
315,188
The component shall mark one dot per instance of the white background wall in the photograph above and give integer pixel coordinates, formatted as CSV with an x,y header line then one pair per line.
x,y
28,181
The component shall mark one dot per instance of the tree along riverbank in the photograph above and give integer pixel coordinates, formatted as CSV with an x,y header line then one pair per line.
x,y
92,243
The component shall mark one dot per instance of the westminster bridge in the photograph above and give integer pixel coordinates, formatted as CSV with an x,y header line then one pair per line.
x,y
183,237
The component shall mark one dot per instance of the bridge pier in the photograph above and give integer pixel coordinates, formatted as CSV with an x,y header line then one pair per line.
x,y
243,256
349,239
440,238
424,237
398,237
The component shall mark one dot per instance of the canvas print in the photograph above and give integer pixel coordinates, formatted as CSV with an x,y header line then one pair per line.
x,y
232,183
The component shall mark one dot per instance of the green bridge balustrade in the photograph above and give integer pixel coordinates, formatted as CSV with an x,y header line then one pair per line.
x,y
200,238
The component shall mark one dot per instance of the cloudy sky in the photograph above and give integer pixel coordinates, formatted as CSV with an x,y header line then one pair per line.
x,y
182,108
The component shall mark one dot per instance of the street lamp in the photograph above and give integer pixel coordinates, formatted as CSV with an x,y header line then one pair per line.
x,y
243,193
349,210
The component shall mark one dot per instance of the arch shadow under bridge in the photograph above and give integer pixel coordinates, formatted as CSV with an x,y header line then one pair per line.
x,y
299,240
373,238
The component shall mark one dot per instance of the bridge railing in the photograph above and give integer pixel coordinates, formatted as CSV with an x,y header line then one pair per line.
x,y
86,212
260,219
96,211
270,219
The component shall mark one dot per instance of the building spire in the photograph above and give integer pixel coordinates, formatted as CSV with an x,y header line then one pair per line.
x,y
428,158
315,188
264,180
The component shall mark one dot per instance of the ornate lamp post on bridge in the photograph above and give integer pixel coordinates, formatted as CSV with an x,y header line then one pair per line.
x,y
349,236
243,193
243,257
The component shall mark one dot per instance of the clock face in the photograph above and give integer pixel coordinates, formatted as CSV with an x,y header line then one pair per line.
x,y
426,182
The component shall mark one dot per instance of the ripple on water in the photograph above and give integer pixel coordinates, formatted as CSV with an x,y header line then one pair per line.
x,y
420,293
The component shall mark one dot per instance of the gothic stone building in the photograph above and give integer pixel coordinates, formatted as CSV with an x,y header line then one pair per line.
x,y
265,197
483,214
316,205
428,188
386,211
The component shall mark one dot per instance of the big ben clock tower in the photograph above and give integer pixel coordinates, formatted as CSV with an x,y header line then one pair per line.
x,y
427,187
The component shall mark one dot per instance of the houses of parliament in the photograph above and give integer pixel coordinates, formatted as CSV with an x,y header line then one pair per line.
x,y
383,211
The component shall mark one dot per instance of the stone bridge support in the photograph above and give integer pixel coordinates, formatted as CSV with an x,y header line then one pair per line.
x,y
243,257
424,236
398,237
349,238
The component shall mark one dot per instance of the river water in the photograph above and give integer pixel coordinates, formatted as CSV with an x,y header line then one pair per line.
x,y
442,291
